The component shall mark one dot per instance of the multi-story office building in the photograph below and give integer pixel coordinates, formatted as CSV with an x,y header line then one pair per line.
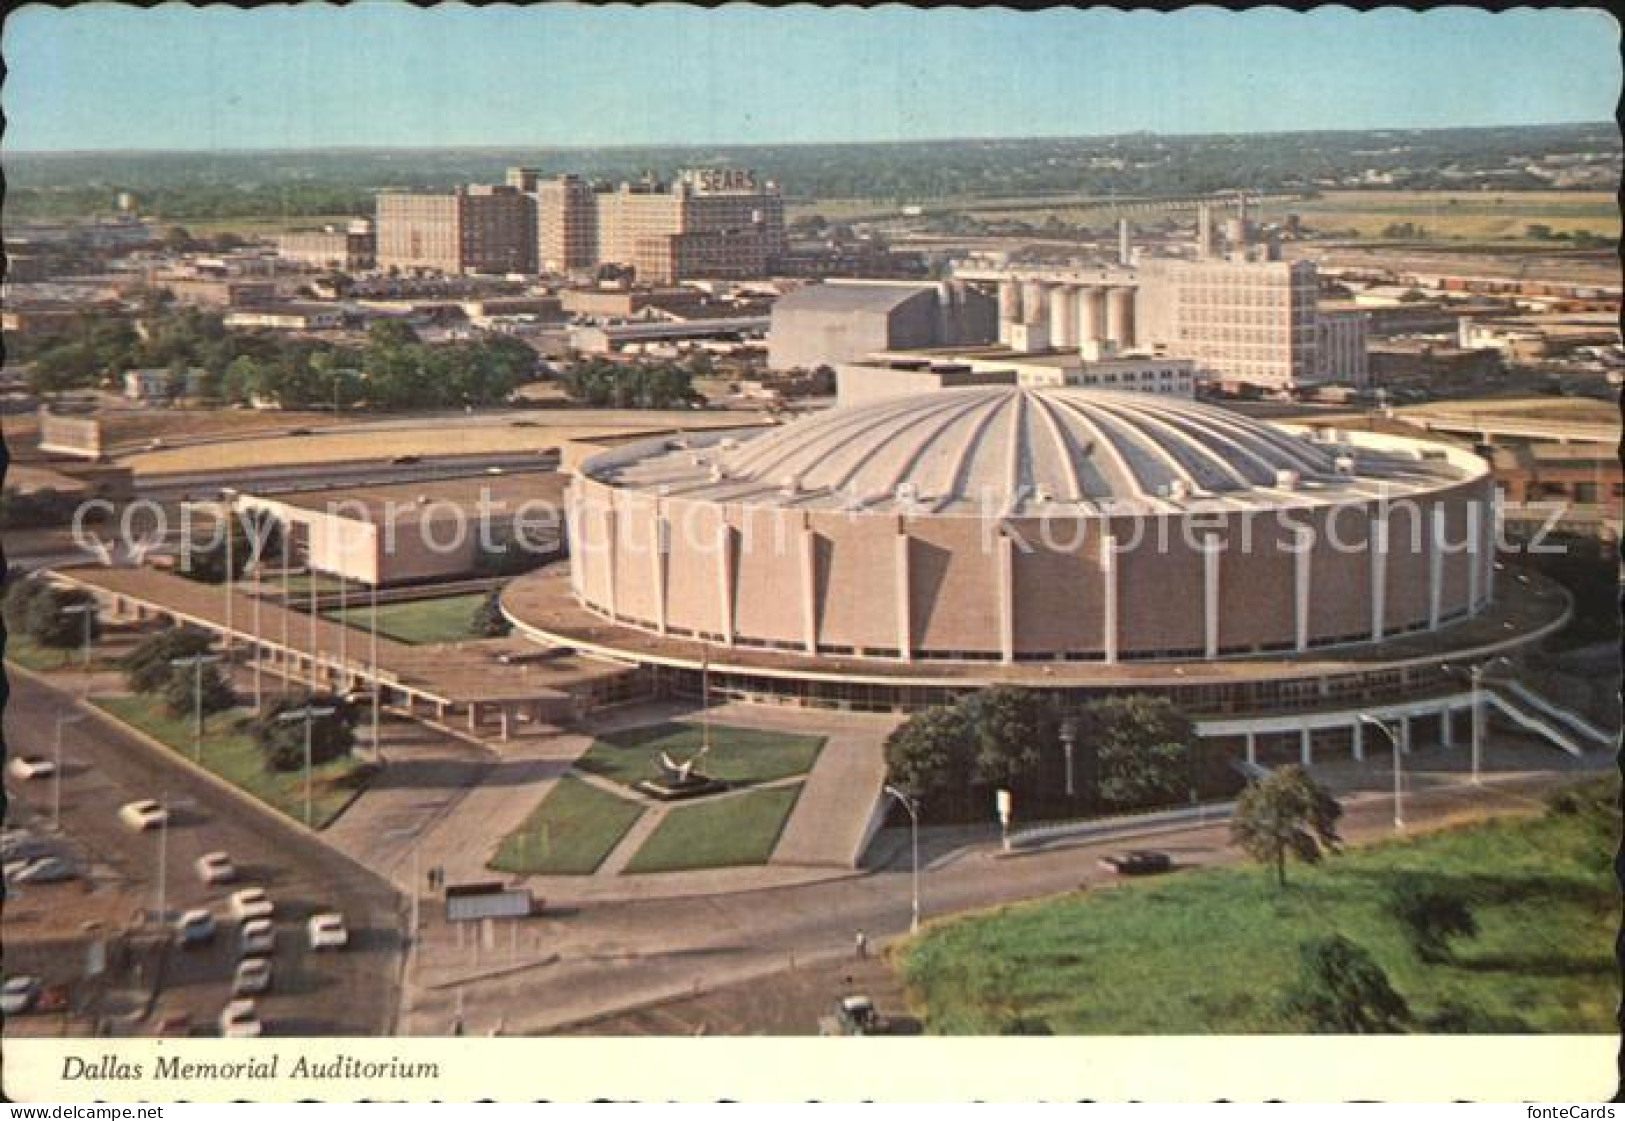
x,y
1244,321
352,249
566,224
488,229
1341,347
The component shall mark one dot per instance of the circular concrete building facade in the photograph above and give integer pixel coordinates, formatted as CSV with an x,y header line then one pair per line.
x,y
1011,525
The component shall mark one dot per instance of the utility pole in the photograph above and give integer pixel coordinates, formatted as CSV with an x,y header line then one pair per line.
x,y
197,662
377,683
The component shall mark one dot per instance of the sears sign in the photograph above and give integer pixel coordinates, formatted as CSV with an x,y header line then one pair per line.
x,y
720,180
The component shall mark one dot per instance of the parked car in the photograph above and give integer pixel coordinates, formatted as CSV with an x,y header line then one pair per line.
x,y
494,471
406,459
299,432
44,870
854,1015
17,994
195,927
257,936
327,932
1139,862
26,767
240,1020
215,868
251,903
143,815
252,978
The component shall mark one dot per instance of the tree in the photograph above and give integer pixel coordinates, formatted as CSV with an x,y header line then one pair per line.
x,y
1287,813
1143,749
21,589
489,620
282,742
931,758
1011,728
47,621
147,667
1341,989
1431,917
189,688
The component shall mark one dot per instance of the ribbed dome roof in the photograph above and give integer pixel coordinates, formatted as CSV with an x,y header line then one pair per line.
x,y
1020,451
1066,444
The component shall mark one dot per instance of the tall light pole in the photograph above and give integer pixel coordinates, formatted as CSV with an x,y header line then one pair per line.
x,y
1476,674
258,691
163,857
414,894
377,684
1399,795
914,841
86,611
62,718
1069,740
286,529
197,662
229,498
308,714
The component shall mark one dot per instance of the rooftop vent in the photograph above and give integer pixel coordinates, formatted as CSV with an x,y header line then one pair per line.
x,y
1286,480
907,494
1179,490
790,485
1343,465
719,473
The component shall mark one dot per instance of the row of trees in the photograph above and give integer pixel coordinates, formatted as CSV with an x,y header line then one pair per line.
x,y
394,369
1132,752
630,385
39,610
185,688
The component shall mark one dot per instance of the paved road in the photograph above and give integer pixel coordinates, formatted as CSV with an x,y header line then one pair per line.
x,y
331,994
605,956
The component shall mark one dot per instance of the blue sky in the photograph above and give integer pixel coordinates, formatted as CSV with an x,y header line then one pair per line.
x,y
381,74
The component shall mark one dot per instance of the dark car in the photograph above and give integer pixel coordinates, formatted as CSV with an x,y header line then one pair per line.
x,y
1140,862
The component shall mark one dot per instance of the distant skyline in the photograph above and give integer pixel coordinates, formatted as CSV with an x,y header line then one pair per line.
x,y
383,74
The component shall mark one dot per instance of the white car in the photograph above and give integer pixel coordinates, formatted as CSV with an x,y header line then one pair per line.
x,y
240,1020
257,936
215,868
253,977
17,994
143,815
327,932
195,927
43,870
26,767
251,903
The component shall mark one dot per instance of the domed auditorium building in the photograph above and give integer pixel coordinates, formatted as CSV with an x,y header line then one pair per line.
x,y
892,555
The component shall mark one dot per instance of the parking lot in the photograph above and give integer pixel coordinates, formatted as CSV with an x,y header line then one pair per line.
x,y
121,878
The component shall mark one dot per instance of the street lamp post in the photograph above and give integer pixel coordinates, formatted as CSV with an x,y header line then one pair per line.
x,y
258,690
1399,795
914,844
377,685
1476,674
62,718
197,662
308,714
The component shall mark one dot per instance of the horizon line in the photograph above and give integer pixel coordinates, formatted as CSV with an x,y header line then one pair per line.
x,y
690,144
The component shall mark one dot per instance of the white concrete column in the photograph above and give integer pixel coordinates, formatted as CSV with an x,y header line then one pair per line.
x,y
1034,303
1303,574
1359,740
1306,746
725,584
809,590
905,630
1405,735
1009,308
1435,566
1007,598
1210,597
1252,748
1475,539
1492,528
660,560
1447,736
1377,551
1091,315
1063,317
1120,316
1108,572
578,552
611,522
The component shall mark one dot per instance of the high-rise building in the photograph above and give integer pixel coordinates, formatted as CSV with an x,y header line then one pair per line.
x,y
469,229
1244,321
566,224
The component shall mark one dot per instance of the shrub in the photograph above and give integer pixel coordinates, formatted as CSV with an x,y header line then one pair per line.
x,y
1341,989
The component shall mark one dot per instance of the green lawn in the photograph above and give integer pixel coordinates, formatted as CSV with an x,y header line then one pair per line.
x,y
231,753
569,832
719,833
1210,950
418,621
738,755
